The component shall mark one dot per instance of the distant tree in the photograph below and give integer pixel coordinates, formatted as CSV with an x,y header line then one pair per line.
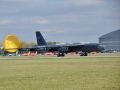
x,y
52,43
24,44
1,51
32,44
0,44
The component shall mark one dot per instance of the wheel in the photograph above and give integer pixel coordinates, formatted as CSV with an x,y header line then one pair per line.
x,y
62,54
58,55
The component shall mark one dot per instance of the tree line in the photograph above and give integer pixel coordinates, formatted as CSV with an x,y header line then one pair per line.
x,y
24,44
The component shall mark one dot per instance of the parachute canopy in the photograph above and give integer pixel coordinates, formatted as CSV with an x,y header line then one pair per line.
x,y
11,43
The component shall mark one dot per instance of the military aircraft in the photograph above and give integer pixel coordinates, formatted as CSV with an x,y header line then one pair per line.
x,y
62,49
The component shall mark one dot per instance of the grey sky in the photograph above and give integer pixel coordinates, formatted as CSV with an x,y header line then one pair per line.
x,y
59,20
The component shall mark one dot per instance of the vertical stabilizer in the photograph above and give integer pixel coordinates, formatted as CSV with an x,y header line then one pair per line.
x,y
40,40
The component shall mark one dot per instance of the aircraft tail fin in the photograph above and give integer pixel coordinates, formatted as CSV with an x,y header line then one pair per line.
x,y
40,40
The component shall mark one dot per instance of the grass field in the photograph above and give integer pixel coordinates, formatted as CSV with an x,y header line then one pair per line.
x,y
51,73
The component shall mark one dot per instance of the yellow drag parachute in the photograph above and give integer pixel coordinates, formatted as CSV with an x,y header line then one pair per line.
x,y
11,43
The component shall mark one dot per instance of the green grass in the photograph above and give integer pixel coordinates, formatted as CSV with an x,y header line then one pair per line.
x,y
78,73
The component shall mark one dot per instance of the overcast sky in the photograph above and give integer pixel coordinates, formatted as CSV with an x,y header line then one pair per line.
x,y
59,20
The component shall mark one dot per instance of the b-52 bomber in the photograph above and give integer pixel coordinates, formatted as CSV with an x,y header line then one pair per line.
x,y
62,49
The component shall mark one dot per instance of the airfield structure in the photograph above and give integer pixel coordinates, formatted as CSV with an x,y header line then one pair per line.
x,y
111,41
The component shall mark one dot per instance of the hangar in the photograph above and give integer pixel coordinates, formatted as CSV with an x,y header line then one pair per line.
x,y
110,41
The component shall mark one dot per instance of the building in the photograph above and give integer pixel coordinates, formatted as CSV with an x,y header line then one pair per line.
x,y
110,41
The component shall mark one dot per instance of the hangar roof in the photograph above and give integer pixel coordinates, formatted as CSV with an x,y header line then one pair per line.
x,y
113,34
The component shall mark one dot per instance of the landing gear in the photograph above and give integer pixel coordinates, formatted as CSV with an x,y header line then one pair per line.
x,y
84,54
60,54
